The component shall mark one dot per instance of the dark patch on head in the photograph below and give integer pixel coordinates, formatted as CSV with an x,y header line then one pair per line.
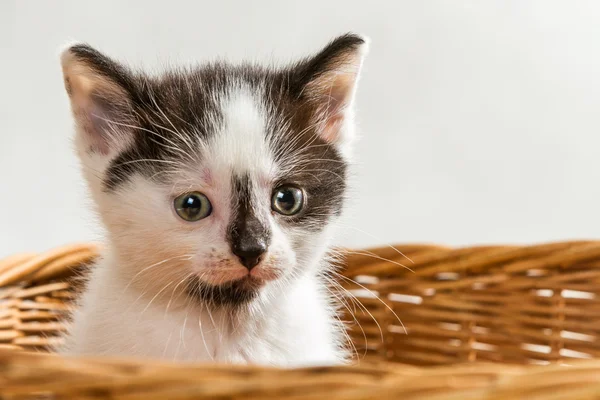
x,y
248,238
230,294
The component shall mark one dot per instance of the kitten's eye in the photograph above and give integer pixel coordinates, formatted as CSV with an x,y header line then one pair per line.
x,y
287,200
192,206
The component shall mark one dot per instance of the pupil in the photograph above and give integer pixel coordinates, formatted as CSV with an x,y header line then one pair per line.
x,y
192,205
287,199
192,202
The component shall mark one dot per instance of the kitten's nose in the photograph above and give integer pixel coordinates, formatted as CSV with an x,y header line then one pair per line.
x,y
250,252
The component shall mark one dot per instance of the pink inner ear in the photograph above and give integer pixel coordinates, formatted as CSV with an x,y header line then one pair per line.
x,y
331,131
336,100
102,117
90,116
95,126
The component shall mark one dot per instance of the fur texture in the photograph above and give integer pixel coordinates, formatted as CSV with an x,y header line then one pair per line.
x,y
245,283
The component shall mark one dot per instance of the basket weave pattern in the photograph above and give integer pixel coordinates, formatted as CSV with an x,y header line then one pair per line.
x,y
511,305
523,305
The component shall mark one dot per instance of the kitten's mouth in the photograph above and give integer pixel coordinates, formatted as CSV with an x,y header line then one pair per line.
x,y
232,293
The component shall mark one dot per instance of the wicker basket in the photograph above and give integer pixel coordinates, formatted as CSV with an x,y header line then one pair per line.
x,y
497,322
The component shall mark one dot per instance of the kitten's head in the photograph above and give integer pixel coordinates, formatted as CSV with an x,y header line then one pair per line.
x,y
220,179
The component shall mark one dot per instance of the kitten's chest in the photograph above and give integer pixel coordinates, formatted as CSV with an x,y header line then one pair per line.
x,y
211,338
285,335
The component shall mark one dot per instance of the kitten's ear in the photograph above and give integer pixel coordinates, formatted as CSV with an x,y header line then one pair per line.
x,y
100,91
328,80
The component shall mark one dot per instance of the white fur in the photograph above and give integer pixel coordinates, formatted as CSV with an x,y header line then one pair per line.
x,y
134,304
295,330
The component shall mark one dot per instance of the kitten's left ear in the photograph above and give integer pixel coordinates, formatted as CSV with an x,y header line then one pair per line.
x,y
328,81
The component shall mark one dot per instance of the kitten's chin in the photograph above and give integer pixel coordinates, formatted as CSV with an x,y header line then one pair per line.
x,y
229,294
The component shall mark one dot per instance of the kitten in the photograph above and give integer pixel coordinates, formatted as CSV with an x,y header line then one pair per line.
x,y
218,186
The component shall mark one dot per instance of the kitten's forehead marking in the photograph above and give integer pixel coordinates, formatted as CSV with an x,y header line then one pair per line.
x,y
240,146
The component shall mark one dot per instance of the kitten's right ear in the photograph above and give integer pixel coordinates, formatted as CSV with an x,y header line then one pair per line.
x,y
328,81
100,91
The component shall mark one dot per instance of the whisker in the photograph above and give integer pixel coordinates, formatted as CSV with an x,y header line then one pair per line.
x,y
378,239
175,289
376,296
214,324
347,307
204,339
174,131
167,345
155,265
137,128
182,331
364,308
322,170
147,160
375,256
155,296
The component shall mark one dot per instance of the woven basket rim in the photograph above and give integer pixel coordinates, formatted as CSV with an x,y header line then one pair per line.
x,y
133,376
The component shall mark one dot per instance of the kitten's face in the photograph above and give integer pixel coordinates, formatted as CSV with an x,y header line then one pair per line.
x,y
218,181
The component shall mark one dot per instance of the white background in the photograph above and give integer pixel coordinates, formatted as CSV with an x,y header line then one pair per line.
x,y
480,120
